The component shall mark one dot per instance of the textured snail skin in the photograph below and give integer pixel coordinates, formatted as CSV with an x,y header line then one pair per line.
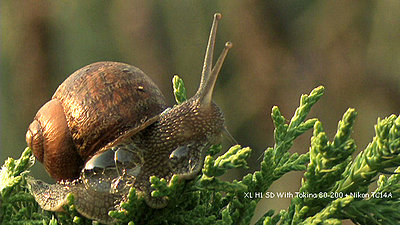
x,y
53,197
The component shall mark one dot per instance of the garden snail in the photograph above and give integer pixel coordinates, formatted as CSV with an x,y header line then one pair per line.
x,y
108,120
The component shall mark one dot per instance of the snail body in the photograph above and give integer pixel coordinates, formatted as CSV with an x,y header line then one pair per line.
x,y
107,128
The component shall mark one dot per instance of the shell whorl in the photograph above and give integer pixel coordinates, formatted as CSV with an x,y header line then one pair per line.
x,y
103,100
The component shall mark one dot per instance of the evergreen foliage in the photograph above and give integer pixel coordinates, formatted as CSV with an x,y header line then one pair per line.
x,y
334,188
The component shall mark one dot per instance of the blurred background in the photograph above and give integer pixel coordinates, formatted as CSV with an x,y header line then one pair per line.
x,y
282,49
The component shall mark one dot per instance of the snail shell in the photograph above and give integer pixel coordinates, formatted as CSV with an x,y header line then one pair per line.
x,y
91,108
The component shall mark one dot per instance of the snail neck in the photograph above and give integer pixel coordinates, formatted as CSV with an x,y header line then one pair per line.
x,y
191,121
184,123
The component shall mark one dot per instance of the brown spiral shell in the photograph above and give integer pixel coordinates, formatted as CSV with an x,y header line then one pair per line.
x,y
101,101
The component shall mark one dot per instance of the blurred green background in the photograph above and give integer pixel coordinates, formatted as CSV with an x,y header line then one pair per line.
x,y
281,50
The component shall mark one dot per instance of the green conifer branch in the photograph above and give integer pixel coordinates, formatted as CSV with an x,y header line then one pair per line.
x,y
210,200
328,160
382,153
391,184
329,215
325,174
235,157
278,161
179,89
386,196
16,204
